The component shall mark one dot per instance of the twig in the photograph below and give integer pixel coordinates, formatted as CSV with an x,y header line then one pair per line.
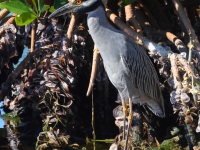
x,y
94,70
9,21
174,39
33,32
3,13
93,124
186,22
191,46
70,30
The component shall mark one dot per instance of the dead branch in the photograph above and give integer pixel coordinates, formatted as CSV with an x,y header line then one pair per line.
x,y
3,13
181,13
9,21
131,20
94,69
33,32
174,39
70,30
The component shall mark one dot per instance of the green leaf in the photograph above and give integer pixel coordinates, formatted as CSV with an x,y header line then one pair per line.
x,y
58,3
25,18
25,3
40,5
52,9
35,6
126,2
16,7
45,7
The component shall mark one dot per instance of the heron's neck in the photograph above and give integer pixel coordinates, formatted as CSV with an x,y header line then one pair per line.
x,y
97,18
99,27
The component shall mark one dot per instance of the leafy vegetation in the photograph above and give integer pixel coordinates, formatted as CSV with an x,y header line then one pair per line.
x,y
25,12
47,90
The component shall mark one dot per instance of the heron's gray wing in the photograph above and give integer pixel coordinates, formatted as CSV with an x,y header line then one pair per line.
x,y
141,71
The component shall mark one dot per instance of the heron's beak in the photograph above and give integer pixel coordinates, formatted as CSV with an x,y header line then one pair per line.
x,y
63,10
85,6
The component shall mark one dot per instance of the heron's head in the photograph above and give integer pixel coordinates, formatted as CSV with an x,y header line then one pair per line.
x,y
78,6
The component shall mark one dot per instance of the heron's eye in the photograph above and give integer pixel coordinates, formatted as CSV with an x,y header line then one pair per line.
x,y
78,2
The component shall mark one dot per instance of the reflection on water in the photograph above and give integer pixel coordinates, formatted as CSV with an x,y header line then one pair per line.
x,y
7,126
24,54
1,120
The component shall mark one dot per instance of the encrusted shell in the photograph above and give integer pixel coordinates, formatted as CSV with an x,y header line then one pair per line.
x,y
185,98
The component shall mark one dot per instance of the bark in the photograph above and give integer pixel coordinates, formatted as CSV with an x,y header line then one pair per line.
x,y
181,13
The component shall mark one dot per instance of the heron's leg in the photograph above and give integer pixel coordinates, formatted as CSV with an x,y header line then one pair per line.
x,y
130,119
124,108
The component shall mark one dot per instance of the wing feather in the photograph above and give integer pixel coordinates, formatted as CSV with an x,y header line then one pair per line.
x,y
141,71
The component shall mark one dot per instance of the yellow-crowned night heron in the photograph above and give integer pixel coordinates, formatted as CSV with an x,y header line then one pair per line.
x,y
127,65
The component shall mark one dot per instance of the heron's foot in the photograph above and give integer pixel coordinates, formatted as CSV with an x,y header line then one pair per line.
x,y
130,119
124,108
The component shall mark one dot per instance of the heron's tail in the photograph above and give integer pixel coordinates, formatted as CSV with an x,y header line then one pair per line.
x,y
156,108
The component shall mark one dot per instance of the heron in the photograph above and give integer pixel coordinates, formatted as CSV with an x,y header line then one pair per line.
x,y
128,66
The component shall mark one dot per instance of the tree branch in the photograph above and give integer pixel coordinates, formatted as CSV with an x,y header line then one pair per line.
x,y
186,22
94,69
